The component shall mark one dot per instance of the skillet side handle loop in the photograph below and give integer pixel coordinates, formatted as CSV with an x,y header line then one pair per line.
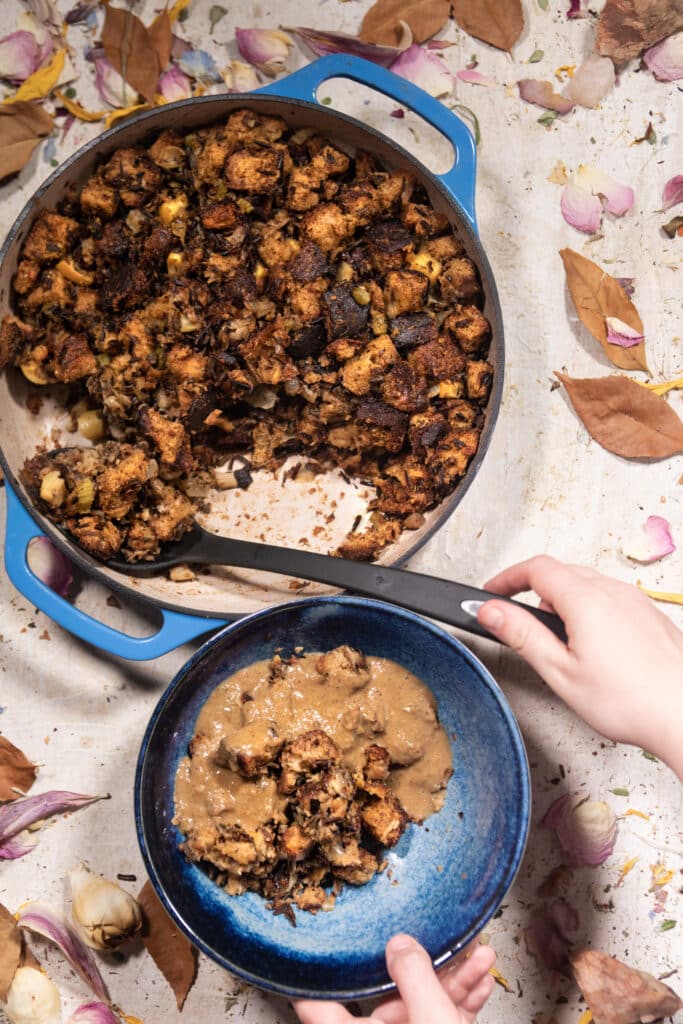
x,y
304,85
176,628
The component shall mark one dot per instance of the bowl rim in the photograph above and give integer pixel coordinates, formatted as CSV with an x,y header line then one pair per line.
x,y
245,624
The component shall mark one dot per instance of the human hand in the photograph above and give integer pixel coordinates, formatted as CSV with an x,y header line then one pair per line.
x,y
622,667
454,996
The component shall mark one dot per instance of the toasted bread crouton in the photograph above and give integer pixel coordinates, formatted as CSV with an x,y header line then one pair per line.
x,y
368,367
382,815
377,763
98,198
405,291
312,751
253,170
404,388
478,379
50,237
96,534
73,358
250,749
28,272
459,282
344,664
118,485
295,843
327,226
168,436
469,327
438,360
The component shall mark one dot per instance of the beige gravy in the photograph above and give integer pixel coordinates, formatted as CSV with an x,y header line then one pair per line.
x,y
385,705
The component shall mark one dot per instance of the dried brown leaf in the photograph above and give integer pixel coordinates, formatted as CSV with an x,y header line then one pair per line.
x,y
597,295
624,417
627,27
22,125
16,771
498,22
617,994
161,34
10,950
131,49
174,955
381,24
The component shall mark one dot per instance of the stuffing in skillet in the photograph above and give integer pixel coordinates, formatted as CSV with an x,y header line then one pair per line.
x,y
247,289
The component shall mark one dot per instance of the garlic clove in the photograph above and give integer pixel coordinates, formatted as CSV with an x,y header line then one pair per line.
x,y
32,998
105,915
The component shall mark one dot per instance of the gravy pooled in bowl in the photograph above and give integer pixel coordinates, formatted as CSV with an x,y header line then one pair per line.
x,y
301,770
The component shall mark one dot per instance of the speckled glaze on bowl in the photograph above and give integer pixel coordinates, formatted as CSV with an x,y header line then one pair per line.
x,y
446,878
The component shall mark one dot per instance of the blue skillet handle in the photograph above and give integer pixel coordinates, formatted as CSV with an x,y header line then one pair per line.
x,y
176,629
304,85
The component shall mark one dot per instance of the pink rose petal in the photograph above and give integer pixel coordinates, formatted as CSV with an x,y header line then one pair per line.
x,y
45,920
267,49
576,9
93,1013
673,192
581,208
618,198
658,542
665,59
111,86
19,56
592,81
18,846
542,93
474,77
19,814
398,113
425,70
243,77
46,39
323,43
439,44
174,85
628,284
50,565
619,333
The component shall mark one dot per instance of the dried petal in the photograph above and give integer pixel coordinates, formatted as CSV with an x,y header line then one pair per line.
x,y
498,22
42,31
384,23
45,920
243,77
41,83
619,333
200,65
626,28
665,60
17,816
624,417
581,208
618,198
424,69
18,846
673,192
592,81
596,296
266,49
474,77
617,994
111,86
550,933
50,565
658,542
543,94
93,1013
32,998
19,56
17,773
577,9
173,954
674,227
10,950
131,50
323,43
587,829
174,85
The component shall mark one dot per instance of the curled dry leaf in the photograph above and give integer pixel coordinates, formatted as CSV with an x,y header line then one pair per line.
x,y
618,994
550,934
161,35
323,43
16,771
627,27
382,23
22,126
173,954
596,296
131,49
498,22
624,417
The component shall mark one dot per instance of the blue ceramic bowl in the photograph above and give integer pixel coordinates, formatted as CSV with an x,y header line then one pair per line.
x,y
447,877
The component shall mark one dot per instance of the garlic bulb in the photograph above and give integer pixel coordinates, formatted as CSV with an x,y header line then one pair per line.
x,y
32,998
105,915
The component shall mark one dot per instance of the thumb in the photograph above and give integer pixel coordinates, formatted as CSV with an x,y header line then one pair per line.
x,y
411,968
522,632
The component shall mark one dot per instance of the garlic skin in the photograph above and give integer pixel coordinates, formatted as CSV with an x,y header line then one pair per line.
x,y
106,916
32,998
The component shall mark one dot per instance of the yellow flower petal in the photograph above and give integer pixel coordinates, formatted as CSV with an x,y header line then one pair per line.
x,y
41,82
178,8
500,979
77,110
628,866
632,810
565,69
667,385
661,595
116,115
586,1017
130,1020
661,876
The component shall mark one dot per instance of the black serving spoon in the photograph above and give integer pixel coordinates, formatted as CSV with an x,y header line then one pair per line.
x,y
445,600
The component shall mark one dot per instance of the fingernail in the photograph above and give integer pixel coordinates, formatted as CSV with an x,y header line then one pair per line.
x,y
399,944
491,617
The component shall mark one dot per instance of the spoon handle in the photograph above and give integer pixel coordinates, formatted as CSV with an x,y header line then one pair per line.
x,y
445,600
